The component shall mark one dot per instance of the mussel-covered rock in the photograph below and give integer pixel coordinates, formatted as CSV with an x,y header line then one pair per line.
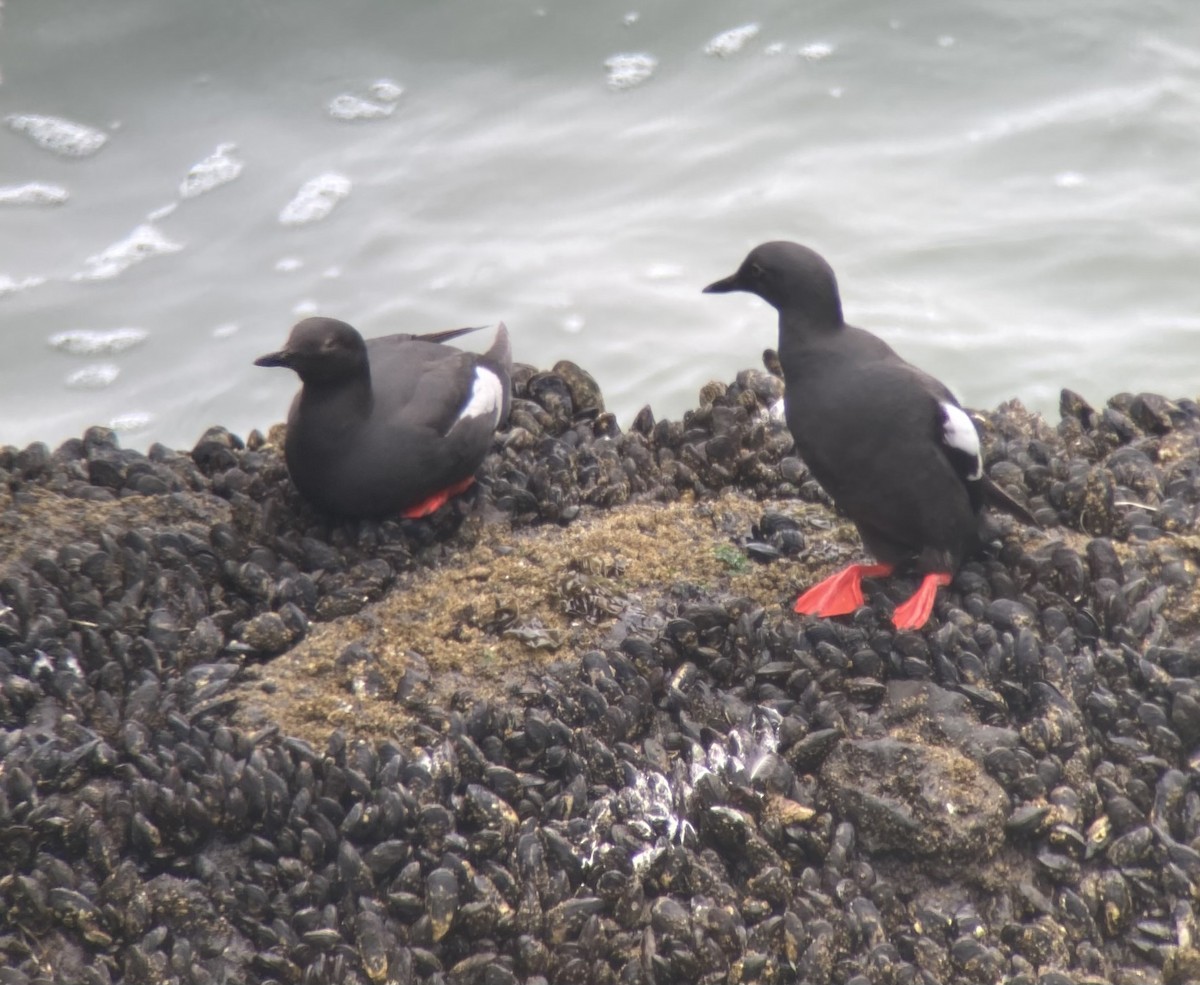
x,y
680,781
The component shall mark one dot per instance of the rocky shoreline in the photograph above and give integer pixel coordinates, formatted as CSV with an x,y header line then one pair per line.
x,y
568,730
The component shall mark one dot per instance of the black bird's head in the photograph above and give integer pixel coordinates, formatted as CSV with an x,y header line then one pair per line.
x,y
792,279
321,350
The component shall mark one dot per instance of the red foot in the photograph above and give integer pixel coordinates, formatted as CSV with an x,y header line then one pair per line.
x,y
839,593
437,500
914,613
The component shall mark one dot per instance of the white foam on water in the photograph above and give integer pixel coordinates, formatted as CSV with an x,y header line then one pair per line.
x,y
219,168
316,199
1069,179
816,51
631,18
144,242
305,308
774,48
93,377
348,106
11,285
161,212
131,422
91,341
732,41
384,94
287,265
225,330
629,69
57,135
663,271
387,91
331,273
574,323
33,193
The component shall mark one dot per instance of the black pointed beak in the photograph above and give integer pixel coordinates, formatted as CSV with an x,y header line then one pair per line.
x,y
280,358
723,286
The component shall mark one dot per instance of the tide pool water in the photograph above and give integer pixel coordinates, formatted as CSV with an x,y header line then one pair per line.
x,y
1006,190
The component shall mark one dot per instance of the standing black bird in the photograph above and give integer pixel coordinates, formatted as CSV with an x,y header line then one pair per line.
x,y
397,424
888,442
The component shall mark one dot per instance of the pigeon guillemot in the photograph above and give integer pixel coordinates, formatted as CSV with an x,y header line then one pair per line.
x,y
392,425
888,442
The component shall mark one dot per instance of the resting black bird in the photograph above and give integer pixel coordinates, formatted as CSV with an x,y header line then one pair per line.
x,y
392,425
888,442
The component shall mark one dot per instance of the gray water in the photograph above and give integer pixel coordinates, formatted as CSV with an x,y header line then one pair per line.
x,y
1008,190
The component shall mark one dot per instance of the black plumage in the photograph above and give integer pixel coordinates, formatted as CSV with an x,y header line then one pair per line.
x,y
888,442
391,425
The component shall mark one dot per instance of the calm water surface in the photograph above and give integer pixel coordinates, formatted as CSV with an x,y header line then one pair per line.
x,y
1008,191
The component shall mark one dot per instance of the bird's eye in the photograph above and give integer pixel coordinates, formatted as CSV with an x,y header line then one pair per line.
x,y
329,343
756,271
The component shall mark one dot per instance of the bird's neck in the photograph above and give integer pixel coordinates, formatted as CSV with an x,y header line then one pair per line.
x,y
351,395
801,336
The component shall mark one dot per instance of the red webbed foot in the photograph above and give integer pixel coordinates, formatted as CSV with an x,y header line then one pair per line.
x,y
437,500
914,613
840,593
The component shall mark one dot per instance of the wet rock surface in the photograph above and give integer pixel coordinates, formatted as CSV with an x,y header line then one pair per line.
x,y
568,730
914,798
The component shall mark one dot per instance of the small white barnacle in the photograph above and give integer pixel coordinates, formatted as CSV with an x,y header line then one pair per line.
x,y
959,433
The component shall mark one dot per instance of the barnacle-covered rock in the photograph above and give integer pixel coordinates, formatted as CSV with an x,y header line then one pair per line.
x,y
915,799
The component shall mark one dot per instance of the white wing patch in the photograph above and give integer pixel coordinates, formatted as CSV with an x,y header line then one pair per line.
x,y
486,399
959,433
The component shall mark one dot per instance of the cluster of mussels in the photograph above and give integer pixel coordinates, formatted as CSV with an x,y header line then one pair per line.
x,y
733,793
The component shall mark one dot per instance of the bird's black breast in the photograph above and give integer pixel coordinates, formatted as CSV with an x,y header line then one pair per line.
x,y
867,431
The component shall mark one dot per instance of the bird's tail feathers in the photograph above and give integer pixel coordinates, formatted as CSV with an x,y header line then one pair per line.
x,y
501,349
446,334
